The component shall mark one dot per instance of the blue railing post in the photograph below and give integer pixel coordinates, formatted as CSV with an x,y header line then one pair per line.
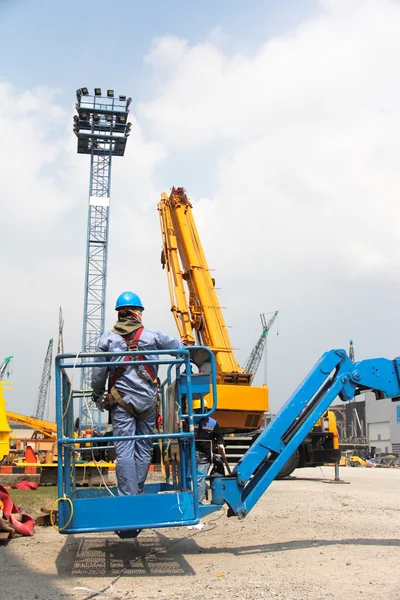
x,y
59,429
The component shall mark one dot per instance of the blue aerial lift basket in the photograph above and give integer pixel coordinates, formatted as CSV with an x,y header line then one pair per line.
x,y
164,504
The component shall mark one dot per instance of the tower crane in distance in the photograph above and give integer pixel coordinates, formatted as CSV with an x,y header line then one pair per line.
x,y
351,352
60,348
253,362
44,383
6,367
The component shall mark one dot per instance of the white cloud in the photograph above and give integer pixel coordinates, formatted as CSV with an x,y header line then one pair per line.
x,y
300,213
43,204
305,213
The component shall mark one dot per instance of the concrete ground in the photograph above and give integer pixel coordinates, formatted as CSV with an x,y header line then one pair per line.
x,y
306,539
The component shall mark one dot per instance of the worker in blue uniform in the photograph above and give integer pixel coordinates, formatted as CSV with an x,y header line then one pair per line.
x,y
210,448
132,390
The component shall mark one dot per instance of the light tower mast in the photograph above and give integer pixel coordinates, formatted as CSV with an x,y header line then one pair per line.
x,y
102,128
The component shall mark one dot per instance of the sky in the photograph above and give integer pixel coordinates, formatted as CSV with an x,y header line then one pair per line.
x,y
281,120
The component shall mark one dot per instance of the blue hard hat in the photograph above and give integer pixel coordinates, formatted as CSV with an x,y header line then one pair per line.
x,y
128,299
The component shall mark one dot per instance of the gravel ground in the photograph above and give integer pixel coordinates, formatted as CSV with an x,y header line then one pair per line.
x,y
305,540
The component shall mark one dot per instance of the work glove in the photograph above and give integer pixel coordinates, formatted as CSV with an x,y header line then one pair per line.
x,y
98,399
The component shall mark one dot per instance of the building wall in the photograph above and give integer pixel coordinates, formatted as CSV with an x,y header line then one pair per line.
x,y
380,436
383,421
351,422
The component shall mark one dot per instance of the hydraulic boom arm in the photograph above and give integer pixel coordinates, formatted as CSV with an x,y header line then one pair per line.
x,y
333,375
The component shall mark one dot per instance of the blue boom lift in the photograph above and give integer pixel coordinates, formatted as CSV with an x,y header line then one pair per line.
x,y
173,502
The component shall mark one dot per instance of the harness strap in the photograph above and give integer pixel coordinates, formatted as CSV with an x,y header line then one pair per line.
x,y
129,408
133,346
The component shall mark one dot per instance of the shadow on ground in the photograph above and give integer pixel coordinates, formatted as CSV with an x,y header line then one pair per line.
x,y
20,580
150,555
157,555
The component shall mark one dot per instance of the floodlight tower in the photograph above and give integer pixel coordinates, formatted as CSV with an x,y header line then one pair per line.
x,y
102,128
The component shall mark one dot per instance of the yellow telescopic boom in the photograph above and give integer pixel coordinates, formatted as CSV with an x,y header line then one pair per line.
x,y
199,319
204,315
170,260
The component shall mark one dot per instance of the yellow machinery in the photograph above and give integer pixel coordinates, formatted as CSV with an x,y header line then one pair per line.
x,y
357,461
5,430
48,432
45,428
200,321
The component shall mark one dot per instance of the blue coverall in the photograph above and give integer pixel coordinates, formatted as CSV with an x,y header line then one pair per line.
x,y
208,436
133,456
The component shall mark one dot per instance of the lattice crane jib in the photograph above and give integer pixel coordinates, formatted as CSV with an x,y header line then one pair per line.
x,y
6,367
44,383
253,362
60,347
102,128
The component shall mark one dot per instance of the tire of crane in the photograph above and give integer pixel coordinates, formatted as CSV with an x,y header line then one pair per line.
x,y
3,460
290,466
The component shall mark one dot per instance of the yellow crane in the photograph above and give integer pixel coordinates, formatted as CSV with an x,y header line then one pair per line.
x,y
199,318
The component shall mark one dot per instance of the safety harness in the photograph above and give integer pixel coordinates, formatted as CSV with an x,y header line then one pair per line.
x,y
114,396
